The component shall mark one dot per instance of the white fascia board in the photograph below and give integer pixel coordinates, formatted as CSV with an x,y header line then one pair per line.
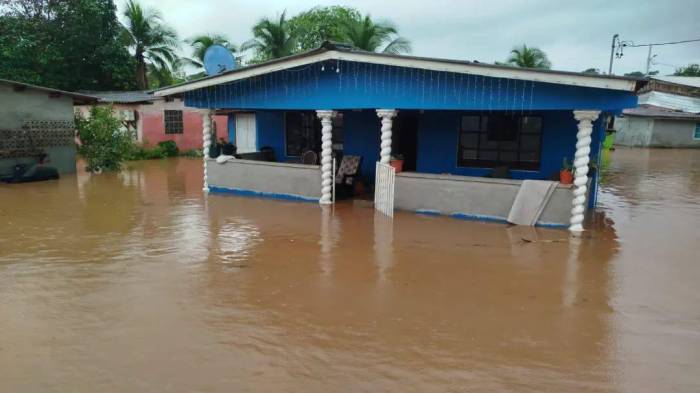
x,y
427,64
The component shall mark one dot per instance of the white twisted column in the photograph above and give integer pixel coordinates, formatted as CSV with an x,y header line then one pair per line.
x,y
206,143
326,153
387,116
581,160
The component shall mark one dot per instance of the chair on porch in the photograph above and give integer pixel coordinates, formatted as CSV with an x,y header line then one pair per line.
x,y
309,157
346,175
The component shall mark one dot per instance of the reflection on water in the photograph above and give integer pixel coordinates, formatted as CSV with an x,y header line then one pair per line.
x,y
138,282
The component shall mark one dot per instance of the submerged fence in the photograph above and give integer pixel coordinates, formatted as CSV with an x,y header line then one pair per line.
x,y
384,189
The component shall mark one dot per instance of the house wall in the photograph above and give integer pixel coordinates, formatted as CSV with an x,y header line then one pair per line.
x,y
438,137
473,197
673,133
633,131
153,125
277,180
29,104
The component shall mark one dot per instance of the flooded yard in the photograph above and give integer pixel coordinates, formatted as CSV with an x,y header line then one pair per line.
x,y
136,282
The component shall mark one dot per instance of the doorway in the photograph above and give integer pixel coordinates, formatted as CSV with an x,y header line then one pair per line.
x,y
246,133
405,138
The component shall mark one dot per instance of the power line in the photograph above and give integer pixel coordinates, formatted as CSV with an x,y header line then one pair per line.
x,y
633,45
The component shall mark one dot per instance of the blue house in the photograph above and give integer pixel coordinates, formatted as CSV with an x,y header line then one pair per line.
x,y
452,122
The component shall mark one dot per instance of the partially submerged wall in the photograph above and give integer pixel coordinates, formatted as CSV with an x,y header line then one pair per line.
x,y
271,179
43,121
674,133
473,197
633,131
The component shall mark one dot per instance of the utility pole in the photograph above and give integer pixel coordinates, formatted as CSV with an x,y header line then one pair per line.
x,y
649,58
612,53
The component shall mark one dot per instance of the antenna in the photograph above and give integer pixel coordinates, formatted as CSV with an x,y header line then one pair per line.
x,y
218,59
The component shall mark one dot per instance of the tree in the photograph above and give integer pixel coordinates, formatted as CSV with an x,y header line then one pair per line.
x,y
529,57
365,34
201,43
103,143
592,71
65,44
640,74
311,28
273,39
689,70
152,42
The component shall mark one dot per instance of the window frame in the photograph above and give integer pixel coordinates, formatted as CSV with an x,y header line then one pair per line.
x,y
316,122
696,132
490,164
167,114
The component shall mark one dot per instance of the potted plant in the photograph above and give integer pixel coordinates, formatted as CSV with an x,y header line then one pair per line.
x,y
566,174
397,163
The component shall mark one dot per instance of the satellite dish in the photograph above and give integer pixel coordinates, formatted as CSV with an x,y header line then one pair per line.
x,y
218,59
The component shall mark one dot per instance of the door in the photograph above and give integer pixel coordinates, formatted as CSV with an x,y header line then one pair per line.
x,y
246,133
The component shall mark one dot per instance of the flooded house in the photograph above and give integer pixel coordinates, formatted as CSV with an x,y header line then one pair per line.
x,y
668,115
154,119
36,127
433,136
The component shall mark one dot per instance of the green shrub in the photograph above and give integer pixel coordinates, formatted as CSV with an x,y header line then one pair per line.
x,y
169,148
194,153
103,142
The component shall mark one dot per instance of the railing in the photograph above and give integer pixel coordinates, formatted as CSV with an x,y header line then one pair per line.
x,y
384,189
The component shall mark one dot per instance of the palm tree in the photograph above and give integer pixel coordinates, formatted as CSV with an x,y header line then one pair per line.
x,y
528,57
201,43
368,35
273,39
152,42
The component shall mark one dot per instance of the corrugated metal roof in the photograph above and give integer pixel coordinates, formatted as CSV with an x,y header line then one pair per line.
x,y
75,96
334,51
692,81
670,101
124,97
660,113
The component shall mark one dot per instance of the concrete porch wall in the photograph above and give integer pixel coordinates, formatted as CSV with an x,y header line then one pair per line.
x,y
473,197
271,179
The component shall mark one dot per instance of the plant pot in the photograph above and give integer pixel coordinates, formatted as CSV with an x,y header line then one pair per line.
x,y
566,176
397,165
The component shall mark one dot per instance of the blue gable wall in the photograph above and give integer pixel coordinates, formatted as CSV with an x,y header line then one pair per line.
x,y
367,86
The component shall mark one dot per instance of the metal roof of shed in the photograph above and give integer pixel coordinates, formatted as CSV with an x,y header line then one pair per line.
x,y
124,97
80,98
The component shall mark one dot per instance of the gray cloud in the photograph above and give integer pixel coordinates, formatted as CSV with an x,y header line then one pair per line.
x,y
575,34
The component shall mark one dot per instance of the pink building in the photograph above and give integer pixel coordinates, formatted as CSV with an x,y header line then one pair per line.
x,y
155,119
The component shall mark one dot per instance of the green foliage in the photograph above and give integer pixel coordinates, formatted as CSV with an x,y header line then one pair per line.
x,y
71,45
152,42
592,71
273,39
163,149
103,142
640,74
529,57
366,34
193,153
320,24
689,70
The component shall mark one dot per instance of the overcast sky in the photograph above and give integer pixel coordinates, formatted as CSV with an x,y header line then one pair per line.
x,y
575,34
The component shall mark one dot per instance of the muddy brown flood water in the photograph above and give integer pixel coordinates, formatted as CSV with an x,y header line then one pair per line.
x,y
137,283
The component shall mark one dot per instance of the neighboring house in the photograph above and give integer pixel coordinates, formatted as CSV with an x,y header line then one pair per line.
x,y
455,123
37,121
156,119
668,115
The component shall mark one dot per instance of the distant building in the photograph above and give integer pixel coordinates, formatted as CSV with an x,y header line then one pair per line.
x,y
36,124
156,119
668,115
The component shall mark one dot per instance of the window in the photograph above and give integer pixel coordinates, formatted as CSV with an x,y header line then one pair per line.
x,y
696,134
173,122
500,139
303,132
